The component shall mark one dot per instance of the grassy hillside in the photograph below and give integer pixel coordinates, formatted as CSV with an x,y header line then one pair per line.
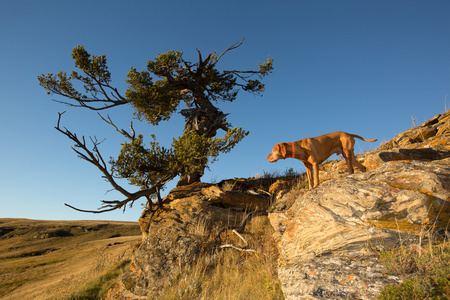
x,y
61,259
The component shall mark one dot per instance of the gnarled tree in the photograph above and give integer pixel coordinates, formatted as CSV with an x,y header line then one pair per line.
x,y
155,94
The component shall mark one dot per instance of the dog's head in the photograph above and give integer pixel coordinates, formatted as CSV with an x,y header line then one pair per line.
x,y
278,152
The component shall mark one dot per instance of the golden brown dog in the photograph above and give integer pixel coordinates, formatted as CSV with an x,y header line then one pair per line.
x,y
314,151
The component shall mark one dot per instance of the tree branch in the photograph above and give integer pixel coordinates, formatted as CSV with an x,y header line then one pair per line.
x,y
232,47
131,136
238,248
82,103
95,158
241,227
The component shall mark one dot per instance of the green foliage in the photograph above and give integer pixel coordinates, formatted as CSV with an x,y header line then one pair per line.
x,y
134,161
228,141
94,68
189,153
418,288
427,273
267,67
193,151
166,64
152,101
194,83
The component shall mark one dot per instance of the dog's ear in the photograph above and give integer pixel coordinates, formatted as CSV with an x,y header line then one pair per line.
x,y
282,149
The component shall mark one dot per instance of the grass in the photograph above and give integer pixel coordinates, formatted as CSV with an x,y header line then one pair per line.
x,y
289,172
99,287
228,273
425,271
55,259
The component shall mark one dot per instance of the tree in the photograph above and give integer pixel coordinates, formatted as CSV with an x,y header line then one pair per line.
x,y
197,85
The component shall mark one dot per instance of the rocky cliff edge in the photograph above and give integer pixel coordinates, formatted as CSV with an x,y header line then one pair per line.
x,y
328,238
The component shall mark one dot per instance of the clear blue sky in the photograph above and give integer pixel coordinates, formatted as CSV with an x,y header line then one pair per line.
x,y
365,67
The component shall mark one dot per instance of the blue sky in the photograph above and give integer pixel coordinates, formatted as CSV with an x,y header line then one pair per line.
x,y
365,67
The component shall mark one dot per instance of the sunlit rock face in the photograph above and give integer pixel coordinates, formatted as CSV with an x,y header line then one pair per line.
x,y
176,234
330,237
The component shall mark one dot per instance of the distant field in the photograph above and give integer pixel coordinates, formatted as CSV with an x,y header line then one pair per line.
x,y
56,259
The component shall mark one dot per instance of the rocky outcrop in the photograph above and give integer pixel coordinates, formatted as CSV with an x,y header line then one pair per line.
x,y
433,133
176,234
328,238
335,231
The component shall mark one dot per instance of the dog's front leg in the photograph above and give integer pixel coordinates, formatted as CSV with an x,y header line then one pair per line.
x,y
309,173
316,175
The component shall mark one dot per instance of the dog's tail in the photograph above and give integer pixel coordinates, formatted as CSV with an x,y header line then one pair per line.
x,y
361,138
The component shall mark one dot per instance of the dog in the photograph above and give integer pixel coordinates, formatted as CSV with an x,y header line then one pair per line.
x,y
314,151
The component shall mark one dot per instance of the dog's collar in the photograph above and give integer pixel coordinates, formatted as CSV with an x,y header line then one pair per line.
x,y
293,150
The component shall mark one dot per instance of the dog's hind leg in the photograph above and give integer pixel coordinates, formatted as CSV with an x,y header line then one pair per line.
x,y
358,164
348,160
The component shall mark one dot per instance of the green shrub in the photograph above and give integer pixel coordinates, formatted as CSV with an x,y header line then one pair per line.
x,y
426,272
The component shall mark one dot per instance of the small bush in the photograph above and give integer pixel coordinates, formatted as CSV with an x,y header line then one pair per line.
x,y
426,273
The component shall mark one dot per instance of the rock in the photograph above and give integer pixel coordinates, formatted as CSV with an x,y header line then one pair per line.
x,y
237,200
432,133
356,217
414,154
335,277
280,187
175,235
327,239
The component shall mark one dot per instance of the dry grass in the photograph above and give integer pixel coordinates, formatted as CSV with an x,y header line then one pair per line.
x,y
289,172
229,273
425,269
86,264
56,259
98,287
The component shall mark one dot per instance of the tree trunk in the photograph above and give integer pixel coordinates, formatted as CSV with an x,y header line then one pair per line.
x,y
186,179
203,123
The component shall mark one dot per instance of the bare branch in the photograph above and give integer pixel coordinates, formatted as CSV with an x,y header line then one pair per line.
x,y
82,103
239,74
111,205
199,56
238,248
131,136
94,157
89,211
232,47
59,118
241,227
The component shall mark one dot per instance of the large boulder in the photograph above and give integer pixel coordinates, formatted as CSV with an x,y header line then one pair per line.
x,y
335,231
330,237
